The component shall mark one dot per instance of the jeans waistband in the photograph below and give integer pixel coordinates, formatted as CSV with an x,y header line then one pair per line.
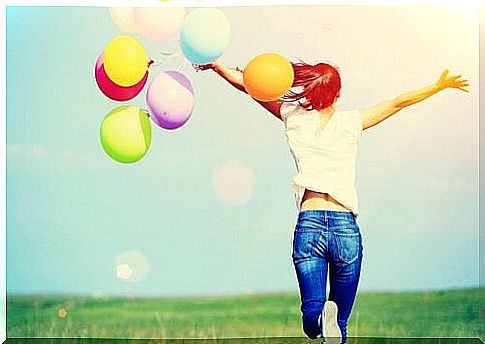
x,y
325,213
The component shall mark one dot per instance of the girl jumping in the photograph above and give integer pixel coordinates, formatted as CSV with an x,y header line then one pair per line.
x,y
324,143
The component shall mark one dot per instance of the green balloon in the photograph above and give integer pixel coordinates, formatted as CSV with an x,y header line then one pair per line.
x,y
126,134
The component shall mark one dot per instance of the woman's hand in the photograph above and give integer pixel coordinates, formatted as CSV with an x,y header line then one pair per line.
x,y
451,81
202,67
213,65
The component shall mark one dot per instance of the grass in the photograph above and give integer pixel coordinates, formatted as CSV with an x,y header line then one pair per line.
x,y
451,313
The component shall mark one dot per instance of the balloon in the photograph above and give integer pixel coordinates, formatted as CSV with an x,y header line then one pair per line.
x,y
126,134
125,61
123,18
159,23
112,90
170,99
267,77
205,35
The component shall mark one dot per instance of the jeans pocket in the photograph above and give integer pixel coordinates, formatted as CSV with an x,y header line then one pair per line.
x,y
348,246
304,244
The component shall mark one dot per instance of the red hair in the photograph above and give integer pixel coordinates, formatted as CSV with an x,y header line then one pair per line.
x,y
321,85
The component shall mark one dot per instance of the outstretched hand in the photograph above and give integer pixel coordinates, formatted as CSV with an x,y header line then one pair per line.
x,y
203,67
211,65
452,81
217,66
232,76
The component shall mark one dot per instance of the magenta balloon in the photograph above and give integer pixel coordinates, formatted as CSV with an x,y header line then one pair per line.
x,y
112,90
170,99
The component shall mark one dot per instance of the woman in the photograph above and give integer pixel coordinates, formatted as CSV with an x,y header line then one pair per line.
x,y
324,141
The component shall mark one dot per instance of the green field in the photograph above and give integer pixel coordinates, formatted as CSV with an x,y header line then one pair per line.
x,y
452,313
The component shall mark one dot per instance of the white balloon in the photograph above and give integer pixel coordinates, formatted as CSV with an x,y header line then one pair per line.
x,y
123,18
159,23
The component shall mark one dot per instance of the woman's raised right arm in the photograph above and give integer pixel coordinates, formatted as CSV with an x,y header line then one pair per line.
x,y
232,76
235,78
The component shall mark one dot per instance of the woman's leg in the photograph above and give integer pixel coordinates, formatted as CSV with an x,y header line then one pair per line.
x,y
309,247
344,268
312,275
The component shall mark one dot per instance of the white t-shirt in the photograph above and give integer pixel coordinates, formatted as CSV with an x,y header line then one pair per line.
x,y
324,158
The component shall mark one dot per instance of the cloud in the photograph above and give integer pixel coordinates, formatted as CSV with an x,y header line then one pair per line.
x,y
29,151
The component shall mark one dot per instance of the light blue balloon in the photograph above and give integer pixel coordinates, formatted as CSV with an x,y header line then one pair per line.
x,y
205,35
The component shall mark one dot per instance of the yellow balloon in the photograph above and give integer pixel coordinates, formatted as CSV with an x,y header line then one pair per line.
x,y
267,77
125,61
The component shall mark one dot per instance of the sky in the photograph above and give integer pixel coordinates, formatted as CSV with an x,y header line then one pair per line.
x,y
210,209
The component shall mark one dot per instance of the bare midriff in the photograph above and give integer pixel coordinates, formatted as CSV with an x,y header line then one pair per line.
x,y
318,200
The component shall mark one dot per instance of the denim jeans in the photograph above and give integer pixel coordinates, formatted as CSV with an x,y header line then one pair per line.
x,y
326,240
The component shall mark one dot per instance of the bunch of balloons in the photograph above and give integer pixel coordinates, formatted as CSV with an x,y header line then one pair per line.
x,y
123,68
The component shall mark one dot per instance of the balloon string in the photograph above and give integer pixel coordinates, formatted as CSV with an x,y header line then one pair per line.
x,y
182,65
155,64
166,56
170,54
146,111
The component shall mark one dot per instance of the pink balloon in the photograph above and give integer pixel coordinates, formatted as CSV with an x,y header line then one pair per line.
x,y
112,90
170,99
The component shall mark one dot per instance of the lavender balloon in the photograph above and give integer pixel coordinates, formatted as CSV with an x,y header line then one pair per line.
x,y
170,99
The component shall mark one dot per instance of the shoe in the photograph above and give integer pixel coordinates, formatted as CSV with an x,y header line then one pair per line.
x,y
330,329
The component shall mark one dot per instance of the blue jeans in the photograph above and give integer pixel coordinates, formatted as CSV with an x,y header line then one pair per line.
x,y
326,240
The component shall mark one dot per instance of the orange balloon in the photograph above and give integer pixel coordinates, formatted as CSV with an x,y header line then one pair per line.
x,y
267,77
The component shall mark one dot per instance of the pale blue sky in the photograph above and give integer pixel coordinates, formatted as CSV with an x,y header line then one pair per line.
x,y
71,211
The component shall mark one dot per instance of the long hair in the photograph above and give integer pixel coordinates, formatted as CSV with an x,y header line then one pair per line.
x,y
320,85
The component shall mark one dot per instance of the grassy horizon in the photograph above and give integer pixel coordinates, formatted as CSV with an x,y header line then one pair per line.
x,y
437,313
